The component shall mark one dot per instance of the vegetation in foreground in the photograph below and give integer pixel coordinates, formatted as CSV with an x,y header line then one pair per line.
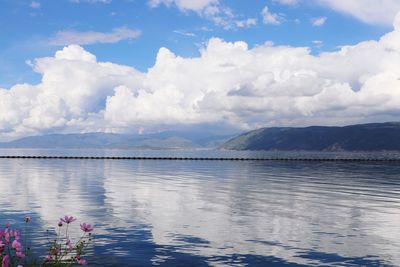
x,y
62,251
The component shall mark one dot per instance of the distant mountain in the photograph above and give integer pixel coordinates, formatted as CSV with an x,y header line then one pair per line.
x,y
162,140
363,137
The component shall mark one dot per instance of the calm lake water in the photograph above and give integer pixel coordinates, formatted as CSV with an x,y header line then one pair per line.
x,y
212,213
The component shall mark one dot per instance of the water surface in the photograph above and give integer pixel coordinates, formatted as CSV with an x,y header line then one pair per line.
x,y
214,213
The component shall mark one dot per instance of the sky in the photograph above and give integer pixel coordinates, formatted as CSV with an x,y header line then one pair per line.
x,y
130,66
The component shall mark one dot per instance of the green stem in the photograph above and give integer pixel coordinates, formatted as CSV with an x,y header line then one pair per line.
x,y
10,255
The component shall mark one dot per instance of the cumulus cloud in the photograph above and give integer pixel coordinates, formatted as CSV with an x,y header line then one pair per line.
x,y
72,92
91,37
228,83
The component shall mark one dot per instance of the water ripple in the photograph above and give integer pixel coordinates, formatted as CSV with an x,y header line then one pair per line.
x,y
214,213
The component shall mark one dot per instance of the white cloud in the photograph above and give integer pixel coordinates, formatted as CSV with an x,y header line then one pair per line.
x,y
72,93
211,10
228,83
207,6
370,11
246,23
91,37
185,33
396,22
35,5
269,17
287,2
318,22
380,12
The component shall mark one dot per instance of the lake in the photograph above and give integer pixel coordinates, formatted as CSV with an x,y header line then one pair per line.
x,y
212,213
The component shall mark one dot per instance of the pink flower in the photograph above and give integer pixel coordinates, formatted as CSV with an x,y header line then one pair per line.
x,y
16,245
6,261
17,235
68,219
86,227
18,249
7,235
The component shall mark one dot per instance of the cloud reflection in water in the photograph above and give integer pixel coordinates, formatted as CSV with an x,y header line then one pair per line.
x,y
216,213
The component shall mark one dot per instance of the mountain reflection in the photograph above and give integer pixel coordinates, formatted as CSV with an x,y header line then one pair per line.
x,y
216,213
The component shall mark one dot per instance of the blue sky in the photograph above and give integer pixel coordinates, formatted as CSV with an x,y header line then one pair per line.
x,y
28,27
152,65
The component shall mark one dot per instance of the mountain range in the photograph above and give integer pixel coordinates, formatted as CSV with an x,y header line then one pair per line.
x,y
162,140
362,137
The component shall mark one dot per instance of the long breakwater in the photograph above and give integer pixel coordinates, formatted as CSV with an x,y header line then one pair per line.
x,y
204,158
